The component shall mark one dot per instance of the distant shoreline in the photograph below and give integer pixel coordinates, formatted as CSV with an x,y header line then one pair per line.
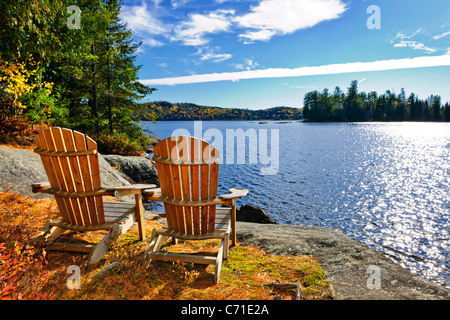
x,y
265,120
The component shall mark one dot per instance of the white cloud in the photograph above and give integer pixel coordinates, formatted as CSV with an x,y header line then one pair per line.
x,y
402,36
215,57
441,35
248,64
144,23
265,20
403,40
178,3
279,17
362,80
152,42
383,65
415,45
259,35
192,32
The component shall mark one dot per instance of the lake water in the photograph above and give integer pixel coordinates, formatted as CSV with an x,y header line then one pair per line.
x,y
386,185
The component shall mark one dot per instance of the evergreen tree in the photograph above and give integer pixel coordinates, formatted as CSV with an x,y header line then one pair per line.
x,y
310,106
435,105
91,70
354,103
338,105
413,108
447,112
325,105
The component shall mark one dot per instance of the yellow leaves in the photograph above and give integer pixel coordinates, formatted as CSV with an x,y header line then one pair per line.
x,y
48,85
18,80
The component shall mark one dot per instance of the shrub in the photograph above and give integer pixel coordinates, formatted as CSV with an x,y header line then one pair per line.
x,y
119,144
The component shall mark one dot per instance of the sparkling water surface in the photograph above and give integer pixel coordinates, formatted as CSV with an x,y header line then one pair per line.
x,y
386,185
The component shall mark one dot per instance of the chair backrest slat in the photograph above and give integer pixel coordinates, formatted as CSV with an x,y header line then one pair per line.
x,y
67,179
183,178
49,166
186,182
194,153
213,175
166,182
204,184
72,172
176,184
78,186
96,182
55,168
80,145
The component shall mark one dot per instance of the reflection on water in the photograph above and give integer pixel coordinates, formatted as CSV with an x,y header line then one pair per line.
x,y
384,184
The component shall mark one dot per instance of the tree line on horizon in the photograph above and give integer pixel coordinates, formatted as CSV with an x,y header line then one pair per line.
x,y
355,106
164,110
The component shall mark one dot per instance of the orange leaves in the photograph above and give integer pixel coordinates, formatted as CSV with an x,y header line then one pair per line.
x,y
14,263
6,291
20,264
27,272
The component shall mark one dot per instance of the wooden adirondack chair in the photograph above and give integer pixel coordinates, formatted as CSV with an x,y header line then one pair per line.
x,y
71,162
188,171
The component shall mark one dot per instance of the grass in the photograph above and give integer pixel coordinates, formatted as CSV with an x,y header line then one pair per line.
x,y
29,272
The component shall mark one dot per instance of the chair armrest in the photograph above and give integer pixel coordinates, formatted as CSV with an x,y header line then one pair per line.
x,y
40,184
149,193
128,190
234,193
40,187
152,192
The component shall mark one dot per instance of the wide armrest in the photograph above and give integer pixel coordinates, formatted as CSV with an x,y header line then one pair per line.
x,y
45,187
40,184
234,193
155,192
41,187
128,190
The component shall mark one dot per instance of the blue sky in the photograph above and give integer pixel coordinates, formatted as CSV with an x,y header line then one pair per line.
x,y
257,54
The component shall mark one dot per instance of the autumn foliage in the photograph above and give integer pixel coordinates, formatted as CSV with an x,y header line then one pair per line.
x,y
22,266
163,110
20,110
31,272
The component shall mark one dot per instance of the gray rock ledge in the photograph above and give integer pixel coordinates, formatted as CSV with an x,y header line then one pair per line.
x,y
137,169
21,168
345,261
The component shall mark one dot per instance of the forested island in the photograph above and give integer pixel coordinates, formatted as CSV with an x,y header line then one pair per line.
x,y
163,110
355,106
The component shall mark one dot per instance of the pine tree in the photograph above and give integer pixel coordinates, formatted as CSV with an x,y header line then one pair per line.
x,y
92,69
447,112
435,105
119,88
354,104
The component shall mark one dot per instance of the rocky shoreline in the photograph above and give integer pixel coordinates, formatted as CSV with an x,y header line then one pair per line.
x,y
355,271
351,267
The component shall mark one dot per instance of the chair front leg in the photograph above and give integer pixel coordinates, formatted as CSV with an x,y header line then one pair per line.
x,y
233,223
140,216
